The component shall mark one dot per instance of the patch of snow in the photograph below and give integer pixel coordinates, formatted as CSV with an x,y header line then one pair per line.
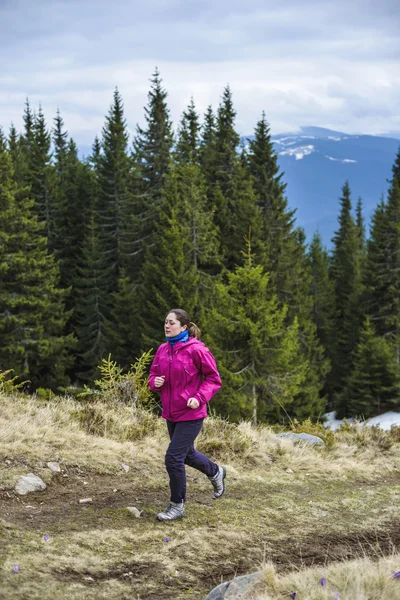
x,y
342,160
384,421
281,140
283,143
335,139
299,152
308,137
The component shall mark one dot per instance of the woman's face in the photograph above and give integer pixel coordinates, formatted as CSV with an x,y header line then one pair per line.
x,y
172,327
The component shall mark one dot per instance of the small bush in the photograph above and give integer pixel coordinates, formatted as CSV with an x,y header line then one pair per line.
x,y
10,384
129,388
368,436
125,425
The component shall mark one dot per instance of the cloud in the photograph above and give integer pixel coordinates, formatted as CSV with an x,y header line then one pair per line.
x,y
305,62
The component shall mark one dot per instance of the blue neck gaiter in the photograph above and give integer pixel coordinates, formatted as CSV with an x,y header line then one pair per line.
x,y
182,337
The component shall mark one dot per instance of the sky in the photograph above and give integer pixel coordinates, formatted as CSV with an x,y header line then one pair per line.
x,y
331,64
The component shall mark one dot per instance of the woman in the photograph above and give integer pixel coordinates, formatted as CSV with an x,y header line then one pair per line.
x,y
185,374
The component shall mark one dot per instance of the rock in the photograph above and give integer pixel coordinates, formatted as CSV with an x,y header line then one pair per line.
x,y
312,440
125,467
289,470
29,483
240,588
85,500
135,511
54,467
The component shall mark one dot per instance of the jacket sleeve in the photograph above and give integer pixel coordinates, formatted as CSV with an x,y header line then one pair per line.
x,y
211,377
154,371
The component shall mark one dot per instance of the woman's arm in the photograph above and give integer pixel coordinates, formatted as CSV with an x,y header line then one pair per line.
x,y
154,371
211,377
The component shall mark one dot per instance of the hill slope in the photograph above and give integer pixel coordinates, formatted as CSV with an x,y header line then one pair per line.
x,y
290,505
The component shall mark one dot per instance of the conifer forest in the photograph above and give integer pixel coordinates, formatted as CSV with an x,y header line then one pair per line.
x,y
95,251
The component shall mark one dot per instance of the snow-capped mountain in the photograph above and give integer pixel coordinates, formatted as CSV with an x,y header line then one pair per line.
x,y
318,161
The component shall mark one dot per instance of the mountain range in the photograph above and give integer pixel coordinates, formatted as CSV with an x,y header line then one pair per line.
x,y
316,163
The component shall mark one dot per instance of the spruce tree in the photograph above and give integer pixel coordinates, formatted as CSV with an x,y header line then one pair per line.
x,y
152,157
208,149
93,302
31,330
383,268
3,141
322,291
374,383
122,327
284,258
347,276
188,143
16,146
258,354
172,280
39,174
114,206
281,248
396,168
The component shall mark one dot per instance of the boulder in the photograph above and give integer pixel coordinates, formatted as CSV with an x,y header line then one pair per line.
x,y
306,438
29,483
240,588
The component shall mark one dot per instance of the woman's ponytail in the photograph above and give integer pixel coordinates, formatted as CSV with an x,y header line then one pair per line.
x,y
194,331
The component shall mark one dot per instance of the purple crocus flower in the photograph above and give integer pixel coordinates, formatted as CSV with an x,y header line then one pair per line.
x,y
46,538
322,581
337,596
293,595
167,539
396,575
16,569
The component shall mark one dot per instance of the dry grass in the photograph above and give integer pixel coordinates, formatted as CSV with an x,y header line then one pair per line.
x,y
286,503
361,579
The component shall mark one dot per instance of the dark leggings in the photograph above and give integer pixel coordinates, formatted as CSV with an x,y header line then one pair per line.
x,y
181,452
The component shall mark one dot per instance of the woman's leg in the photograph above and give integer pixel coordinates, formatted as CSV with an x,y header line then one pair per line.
x,y
181,451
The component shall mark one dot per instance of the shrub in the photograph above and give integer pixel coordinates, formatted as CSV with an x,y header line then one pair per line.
x,y
9,384
129,388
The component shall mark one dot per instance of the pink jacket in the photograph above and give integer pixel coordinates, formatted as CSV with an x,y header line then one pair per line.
x,y
190,372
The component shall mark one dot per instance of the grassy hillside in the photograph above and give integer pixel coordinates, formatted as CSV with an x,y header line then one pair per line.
x,y
290,509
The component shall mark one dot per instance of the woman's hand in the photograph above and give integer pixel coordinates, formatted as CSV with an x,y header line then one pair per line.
x,y
193,403
159,381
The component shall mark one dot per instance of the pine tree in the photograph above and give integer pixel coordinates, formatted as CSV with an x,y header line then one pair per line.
x,y
347,275
258,355
31,330
374,383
